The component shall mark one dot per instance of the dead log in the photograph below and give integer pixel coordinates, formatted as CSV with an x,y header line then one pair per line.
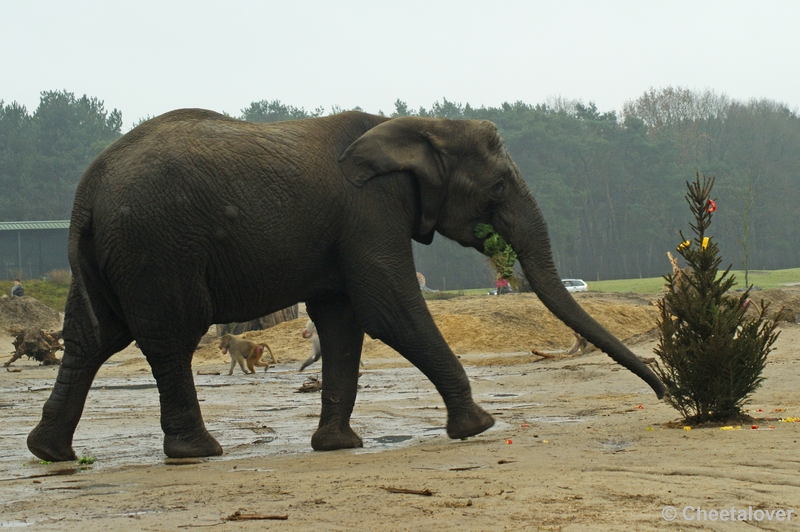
x,y
312,384
265,322
36,344
680,276
579,346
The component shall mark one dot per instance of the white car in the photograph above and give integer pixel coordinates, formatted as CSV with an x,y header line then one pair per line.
x,y
575,285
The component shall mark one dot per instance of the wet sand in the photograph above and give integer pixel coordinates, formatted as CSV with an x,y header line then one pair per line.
x,y
579,444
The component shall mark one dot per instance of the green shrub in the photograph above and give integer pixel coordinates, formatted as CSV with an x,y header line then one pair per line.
x,y
59,277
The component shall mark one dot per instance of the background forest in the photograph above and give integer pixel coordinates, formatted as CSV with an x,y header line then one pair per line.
x,y
610,185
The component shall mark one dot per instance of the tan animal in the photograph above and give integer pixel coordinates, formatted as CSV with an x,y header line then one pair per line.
x,y
240,350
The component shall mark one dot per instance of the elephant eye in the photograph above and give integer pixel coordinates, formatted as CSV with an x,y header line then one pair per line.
x,y
498,190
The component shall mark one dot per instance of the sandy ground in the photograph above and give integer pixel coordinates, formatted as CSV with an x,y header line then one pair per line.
x,y
580,443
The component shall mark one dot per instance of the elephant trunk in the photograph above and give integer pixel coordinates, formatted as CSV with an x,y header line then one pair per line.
x,y
529,237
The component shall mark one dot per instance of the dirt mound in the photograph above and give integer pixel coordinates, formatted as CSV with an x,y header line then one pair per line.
x,y
643,338
24,312
479,324
788,299
514,323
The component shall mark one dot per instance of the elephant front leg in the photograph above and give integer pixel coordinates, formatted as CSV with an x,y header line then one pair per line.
x,y
341,338
395,312
185,434
428,351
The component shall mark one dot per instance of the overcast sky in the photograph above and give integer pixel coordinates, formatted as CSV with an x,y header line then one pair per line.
x,y
148,57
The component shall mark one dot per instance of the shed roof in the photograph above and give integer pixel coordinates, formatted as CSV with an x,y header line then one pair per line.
x,y
48,224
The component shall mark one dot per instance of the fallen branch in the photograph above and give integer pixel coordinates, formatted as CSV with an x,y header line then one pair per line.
x,y
313,384
426,492
579,346
239,516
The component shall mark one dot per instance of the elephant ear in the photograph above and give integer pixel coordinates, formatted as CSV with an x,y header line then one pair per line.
x,y
406,144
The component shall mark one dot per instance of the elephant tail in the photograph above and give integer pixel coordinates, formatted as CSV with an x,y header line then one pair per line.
x,y
80,253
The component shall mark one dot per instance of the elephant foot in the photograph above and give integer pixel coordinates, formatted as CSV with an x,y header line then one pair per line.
x,y
333,437
177,446
468,423
47,447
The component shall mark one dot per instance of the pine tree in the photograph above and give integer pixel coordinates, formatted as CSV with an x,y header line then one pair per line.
x,y
711,354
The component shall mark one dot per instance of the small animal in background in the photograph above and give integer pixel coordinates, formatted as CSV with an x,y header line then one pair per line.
x,y
241,350
310,333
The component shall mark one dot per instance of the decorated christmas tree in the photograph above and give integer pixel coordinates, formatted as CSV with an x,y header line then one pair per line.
x,y
711,353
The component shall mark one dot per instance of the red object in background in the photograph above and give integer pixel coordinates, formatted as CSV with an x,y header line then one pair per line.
x,y
712,205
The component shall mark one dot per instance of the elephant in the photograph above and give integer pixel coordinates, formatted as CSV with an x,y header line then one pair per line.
x,y
195,218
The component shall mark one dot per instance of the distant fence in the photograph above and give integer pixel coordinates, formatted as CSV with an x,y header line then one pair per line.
x,y
31,249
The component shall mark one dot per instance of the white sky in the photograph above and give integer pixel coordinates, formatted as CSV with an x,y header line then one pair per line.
x,y
148,57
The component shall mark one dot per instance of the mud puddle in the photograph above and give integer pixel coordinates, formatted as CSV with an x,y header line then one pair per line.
x,y
250,415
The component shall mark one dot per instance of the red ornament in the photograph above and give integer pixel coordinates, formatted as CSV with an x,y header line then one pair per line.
x,y
712,205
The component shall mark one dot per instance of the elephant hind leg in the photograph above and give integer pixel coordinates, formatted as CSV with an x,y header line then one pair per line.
x,y
342,338
185,434
168,342
83,356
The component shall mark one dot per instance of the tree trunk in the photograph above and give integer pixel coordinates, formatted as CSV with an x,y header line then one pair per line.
x,y
270,320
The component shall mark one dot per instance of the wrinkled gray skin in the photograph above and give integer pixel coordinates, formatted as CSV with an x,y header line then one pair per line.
x,y
193,218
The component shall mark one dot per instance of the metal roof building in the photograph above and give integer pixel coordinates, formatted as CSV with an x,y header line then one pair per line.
x,y
31,249
21,226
